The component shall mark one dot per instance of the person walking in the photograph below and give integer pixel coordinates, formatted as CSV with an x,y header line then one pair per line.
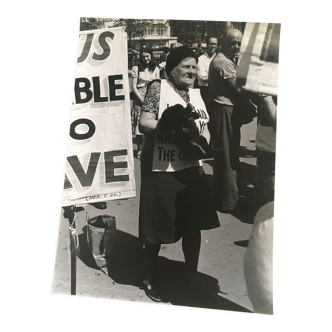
x,y
175,200
145,72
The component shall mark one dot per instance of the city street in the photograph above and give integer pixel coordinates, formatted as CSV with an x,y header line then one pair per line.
x,y
221,259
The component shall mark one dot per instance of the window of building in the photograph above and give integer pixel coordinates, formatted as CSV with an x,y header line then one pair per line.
x,y
160,31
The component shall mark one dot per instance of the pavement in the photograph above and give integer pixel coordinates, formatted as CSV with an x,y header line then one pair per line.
x,y
221,259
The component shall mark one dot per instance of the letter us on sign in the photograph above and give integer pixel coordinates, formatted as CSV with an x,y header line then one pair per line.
x,y
100,163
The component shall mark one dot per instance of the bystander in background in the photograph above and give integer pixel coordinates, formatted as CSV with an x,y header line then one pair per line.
x,y
224,124
203,67
145,72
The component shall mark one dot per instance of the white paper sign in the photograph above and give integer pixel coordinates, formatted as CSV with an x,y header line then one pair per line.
x,y
100,163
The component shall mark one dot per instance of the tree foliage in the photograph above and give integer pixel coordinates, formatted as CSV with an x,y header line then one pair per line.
x,y
90,23
134,27
189,32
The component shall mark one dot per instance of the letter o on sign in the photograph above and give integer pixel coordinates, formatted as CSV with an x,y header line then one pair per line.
x,y
81,136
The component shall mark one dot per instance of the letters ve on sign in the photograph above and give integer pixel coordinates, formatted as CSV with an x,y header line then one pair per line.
x,y
86,178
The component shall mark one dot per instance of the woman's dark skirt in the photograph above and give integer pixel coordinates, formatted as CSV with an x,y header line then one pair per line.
x,y
173,203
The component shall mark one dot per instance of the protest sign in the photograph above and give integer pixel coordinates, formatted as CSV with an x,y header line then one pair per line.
x,y
100,163
167,157
257,69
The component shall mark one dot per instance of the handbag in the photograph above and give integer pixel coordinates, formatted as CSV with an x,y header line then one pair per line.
x,y
101,237
132,95
245,111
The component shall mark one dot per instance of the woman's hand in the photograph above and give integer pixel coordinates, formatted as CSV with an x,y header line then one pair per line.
x,y
149,125
206,133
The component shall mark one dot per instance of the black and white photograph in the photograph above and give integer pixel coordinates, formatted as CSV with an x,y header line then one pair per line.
x,y
170,173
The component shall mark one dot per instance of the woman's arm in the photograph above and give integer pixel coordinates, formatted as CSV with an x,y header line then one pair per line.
x,y
157,73
202,74
134,88
149,125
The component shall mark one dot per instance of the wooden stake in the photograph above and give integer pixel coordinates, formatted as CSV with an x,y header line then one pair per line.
x,y
72,251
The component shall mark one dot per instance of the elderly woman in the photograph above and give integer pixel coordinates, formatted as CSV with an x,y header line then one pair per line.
x,y
175,200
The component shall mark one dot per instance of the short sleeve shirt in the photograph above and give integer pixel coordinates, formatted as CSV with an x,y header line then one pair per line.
x,y
203,68
151,100
222,75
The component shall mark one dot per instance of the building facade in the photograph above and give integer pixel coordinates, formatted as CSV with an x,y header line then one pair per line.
x,y
156,35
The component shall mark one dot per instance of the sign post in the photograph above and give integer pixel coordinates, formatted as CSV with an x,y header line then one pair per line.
x,y
72,245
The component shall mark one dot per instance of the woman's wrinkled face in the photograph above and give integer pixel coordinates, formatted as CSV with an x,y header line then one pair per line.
x,y
146,58
184,73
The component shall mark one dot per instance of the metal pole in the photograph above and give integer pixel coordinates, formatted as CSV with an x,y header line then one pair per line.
x,y
72,251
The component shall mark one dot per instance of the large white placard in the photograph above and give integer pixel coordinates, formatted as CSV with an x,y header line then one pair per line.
x,y
100,163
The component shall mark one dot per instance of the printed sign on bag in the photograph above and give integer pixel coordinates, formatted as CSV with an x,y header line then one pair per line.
x,y
167,157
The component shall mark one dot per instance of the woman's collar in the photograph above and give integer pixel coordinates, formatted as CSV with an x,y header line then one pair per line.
x,y
176,86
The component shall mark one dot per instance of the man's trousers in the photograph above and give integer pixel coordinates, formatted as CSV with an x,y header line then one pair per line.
x,y
226,135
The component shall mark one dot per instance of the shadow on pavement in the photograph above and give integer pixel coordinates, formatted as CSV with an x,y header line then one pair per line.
x,y
128,268
246,208
243,243
85,254
127,265
171,274
246,153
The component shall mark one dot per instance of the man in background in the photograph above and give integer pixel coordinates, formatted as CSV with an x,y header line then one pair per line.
x,y
203,67
224,123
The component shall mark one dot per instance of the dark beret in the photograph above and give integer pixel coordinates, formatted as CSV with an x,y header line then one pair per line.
x,y
176,55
